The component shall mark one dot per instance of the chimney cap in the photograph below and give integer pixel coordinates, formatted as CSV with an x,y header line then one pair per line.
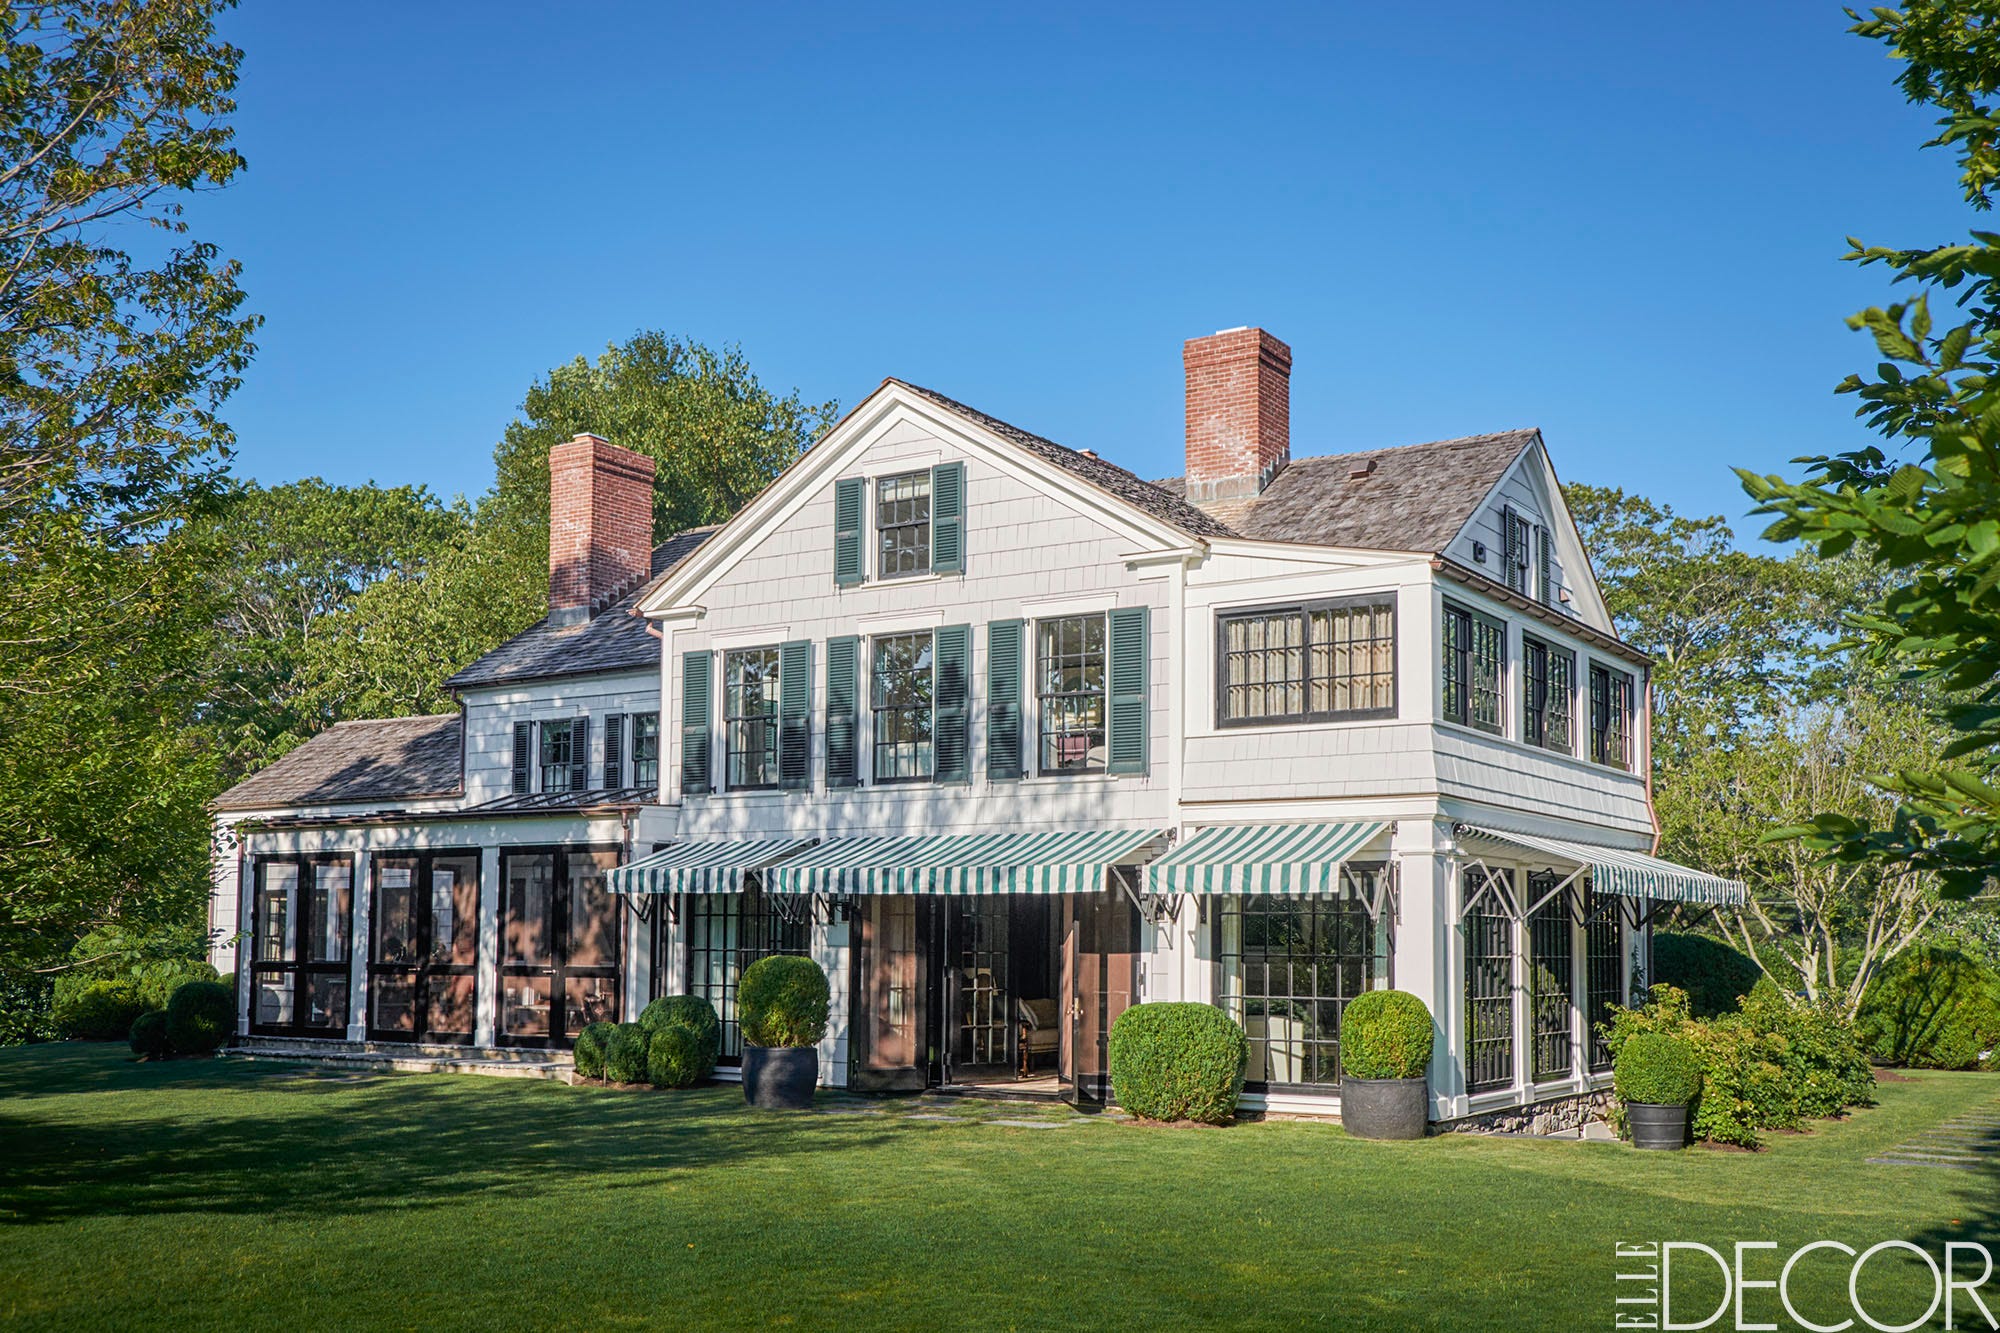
x,y
588,437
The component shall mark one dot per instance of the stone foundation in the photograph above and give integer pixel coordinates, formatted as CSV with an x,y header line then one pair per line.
x,y
1550,1117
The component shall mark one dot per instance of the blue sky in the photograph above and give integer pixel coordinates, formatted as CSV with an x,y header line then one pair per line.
x,y
1620,223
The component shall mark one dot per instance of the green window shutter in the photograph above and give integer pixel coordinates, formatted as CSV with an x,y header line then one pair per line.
x,y
843,697
948,518
795,714
696,675
1003,700
614,744
1130,650
579,754
847,564
951,720
1545,585
523,742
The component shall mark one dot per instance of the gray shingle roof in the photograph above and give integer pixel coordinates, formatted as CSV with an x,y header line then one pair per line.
x,y
377,759
612,640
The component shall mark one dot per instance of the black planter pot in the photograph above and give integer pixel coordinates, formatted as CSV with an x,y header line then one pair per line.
x,y
1385,1108
1658,1127
780,1078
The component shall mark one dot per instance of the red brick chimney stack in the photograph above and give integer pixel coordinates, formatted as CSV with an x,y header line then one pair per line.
x,y
1239,413
600,526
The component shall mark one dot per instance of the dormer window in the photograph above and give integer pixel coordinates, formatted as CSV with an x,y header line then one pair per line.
x,y
903,525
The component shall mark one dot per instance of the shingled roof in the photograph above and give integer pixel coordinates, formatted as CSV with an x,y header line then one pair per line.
x,y
390,758
612,640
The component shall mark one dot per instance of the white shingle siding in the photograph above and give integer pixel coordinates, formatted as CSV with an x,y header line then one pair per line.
x,y
490,715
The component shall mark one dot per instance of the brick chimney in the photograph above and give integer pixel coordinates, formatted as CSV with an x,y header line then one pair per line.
x,y
600,526
1239,413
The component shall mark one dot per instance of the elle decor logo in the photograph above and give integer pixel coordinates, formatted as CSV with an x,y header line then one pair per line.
x,y
1671,1286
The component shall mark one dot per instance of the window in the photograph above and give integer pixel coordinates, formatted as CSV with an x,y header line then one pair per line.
x,y
645,749
1288,967
1552,978
1489,983
1319,661
902,685
1475,664
750,717
1548,696
1610,716
1070,675
1603,972
558,741
903,525
302,914
727,932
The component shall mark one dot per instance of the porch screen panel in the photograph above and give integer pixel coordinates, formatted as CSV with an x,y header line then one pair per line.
x,y
1489,988
323,946
527,938
590,940
276,906
397,922
1552,978
454,906
1604,972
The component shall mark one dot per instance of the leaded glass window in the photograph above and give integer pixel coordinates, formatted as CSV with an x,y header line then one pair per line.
x,y
1552,979
726,932
1604,972
1610,716
558,741
1489,983
1069,662
1548,696
1322,660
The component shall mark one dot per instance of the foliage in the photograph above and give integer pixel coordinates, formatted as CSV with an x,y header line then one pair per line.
x,y
149,1036
25,1002
625,1053
691,1011
782,1000
590,1047
200,1017
678,1056
1933,1008
1816,1046
1657,1069
1715,976
157,981
1178,1061
90,1010
1385,1034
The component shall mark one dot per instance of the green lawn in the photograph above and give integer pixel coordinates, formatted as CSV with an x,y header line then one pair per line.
x,y
229,1193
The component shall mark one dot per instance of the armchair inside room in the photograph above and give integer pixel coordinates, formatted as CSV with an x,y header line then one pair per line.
x,y
1040,1033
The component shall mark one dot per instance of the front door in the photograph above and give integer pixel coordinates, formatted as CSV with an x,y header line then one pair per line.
x,y
424,947
558,944
1100,980
890,1037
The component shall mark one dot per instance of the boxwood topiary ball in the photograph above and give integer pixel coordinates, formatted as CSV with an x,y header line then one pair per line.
x,y
149,1035
1657,1069
590,1044
1178,1061
690,1011
1385,1034
200,1016
677,1057
783,1001
625,1054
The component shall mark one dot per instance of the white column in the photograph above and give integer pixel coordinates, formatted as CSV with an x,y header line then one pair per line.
x,y
486,991
246,916
830,949
1429,959
357,948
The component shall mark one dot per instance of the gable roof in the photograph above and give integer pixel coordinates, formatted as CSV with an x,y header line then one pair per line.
x,y
614,639
375,759
1416,498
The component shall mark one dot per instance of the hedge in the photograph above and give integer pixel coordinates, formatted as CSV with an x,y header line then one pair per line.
x,y
625,1054
692,1011
1386,1034
1715,976
158,981
590,1044
1932,1007
149,1036
782,1000
200,1016
1657,1069
100,1010
1178,1061
678,1056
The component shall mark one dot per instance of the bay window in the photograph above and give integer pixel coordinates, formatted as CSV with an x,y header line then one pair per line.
x,y
1474,648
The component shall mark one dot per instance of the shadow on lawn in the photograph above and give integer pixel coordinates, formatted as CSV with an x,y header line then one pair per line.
x,y
378,1141
1977,1207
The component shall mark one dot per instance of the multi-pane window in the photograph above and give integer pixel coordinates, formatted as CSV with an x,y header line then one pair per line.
x,y
750,717
1489,985
1288,967
1610,716
645,749
1070,689
903,524
1475,665
1603,972
1548,696
1551,979
901,690
558,748
1333,659
726,932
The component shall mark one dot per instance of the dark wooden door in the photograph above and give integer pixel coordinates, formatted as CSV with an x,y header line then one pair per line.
x,y
890,1036
1100,965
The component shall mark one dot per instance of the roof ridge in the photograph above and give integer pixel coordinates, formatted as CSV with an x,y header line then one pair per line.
x,y
399,717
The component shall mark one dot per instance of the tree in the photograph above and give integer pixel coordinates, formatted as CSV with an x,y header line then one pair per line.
x,y
1925,507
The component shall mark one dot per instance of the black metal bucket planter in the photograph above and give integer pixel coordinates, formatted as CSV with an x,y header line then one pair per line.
x,y
1662,1128
780,1078
1385,1108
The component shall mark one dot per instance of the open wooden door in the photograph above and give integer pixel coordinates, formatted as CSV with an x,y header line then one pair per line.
x,y
889,1034
1100,980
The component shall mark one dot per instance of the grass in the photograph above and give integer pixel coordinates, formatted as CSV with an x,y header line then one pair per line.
x,y
231,1193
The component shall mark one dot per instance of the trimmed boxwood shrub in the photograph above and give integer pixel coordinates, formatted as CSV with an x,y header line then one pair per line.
x,y
625,1054
782,1000
96,1010
1933,1007
1715,976
1175,1060
1385,1034
200,1017
1656,1069
677,1056
590,1044
149,1035
693,1011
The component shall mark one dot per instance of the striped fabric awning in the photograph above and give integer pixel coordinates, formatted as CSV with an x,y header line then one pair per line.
x,y
1262,858
960,863
701,867
1631,874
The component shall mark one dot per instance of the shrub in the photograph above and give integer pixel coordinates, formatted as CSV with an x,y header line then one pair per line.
x,y
590,1044
158,981
1933,1007
1715,976
149,1035
1385,1034
782,1000
1178,1061
625,1054
678,1056
1657,1070
692,1011
1817,1049
26,1012
96,1010
200,1016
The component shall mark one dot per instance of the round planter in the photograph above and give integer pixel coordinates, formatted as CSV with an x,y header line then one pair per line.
x,y
1385,1108
780,1078
1658,1127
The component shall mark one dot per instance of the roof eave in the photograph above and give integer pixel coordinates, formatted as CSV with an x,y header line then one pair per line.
x,y
1500,592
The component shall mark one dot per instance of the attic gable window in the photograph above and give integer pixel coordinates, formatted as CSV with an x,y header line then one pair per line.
x,y
903,525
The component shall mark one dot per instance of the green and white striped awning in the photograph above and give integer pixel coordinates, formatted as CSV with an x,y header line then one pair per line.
x,y
960,863
1630,874
1262,858
701,867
